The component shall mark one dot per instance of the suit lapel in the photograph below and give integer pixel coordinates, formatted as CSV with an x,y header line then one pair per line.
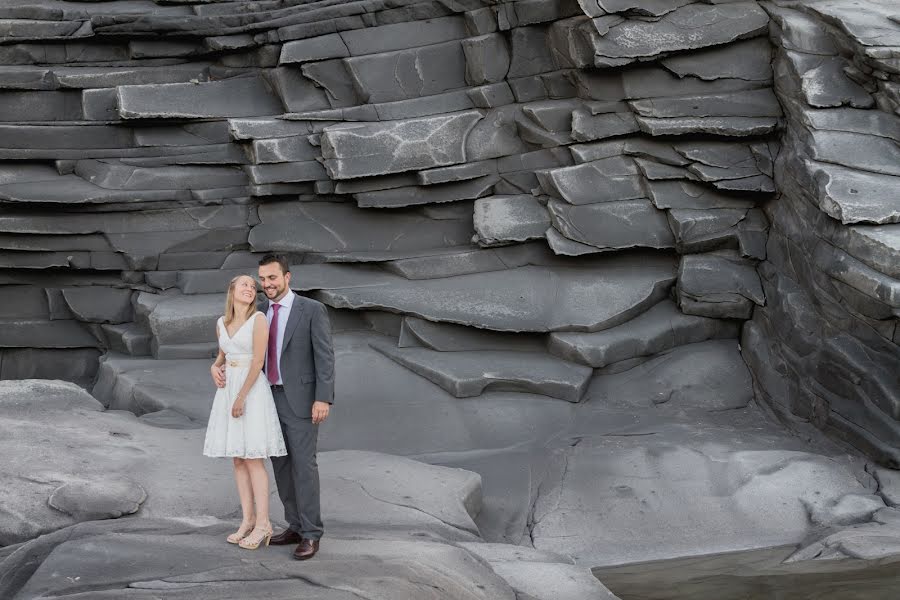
x,y
293,321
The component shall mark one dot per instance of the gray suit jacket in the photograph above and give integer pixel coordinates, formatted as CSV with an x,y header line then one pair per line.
x,y
307,356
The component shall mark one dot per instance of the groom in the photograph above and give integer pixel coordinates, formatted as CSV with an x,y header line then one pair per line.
x,y
300,370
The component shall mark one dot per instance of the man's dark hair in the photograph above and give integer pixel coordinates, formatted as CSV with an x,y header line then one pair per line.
x,y
281,259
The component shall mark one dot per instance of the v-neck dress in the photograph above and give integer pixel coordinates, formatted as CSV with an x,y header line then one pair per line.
x,y
256,433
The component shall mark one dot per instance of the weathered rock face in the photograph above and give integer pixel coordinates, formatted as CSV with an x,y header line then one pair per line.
x,y
540,227
825,347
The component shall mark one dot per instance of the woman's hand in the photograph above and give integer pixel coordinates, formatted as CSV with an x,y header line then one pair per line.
x,y
237,409
218,375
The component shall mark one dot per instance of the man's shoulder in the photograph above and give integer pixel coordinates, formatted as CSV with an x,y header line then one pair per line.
x,y
308,302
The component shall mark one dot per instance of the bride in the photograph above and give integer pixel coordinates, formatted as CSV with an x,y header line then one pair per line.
x,y
243,423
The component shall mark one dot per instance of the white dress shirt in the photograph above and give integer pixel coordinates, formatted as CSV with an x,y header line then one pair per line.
x,y
283,313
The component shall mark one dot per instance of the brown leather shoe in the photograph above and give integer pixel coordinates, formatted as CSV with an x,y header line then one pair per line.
x,y
288,536
306,550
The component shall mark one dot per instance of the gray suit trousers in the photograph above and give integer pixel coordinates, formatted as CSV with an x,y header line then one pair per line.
x,y
297,474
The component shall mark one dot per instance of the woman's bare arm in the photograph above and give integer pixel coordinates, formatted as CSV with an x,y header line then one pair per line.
x,y
260,344
218,373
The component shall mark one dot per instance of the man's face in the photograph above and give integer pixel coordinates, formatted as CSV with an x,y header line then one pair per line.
x,y
274,281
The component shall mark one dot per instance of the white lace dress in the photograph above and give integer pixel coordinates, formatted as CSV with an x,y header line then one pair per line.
x,y
257,433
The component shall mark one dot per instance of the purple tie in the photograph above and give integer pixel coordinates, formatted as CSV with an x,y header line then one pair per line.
x,y
272,354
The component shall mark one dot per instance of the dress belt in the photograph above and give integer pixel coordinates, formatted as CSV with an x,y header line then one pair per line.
x,y
239,362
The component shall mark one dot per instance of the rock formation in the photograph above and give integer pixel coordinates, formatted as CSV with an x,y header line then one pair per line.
x,y
583,249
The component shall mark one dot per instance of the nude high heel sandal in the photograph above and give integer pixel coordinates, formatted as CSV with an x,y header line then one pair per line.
x,y
240,534
252,542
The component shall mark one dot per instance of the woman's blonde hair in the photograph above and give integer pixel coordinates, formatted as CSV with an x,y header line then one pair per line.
x,y
229,301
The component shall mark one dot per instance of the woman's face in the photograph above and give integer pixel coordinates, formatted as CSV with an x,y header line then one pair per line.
x,y
245,290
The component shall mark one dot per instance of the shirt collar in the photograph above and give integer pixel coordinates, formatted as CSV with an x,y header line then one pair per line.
x,y
285,302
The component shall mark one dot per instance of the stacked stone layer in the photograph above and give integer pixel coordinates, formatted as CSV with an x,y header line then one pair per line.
x,y
498,166
826,347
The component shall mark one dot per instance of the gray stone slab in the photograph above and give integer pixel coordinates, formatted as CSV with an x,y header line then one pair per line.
x,y
317,48
719,285
460,172
432,194
399,36
853,196
96,77
749,103
297,92
656,171
288,172
253,128
870,122
408,73
238,97
23,302
530,52
690,27
282,149
186,319
487,59
467,374
725,126
334,77
521,299
99,304
359,150
684,194
606,180
128,338
802,32
504,219
824,82
496,135
34,333
77,365
888,486
587,127
659,329
613,225
843,267
747,59
112,174
445,337
858,151
704,230
434,264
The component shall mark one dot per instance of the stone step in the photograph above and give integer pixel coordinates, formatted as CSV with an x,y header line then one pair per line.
x,y
659,329
467,374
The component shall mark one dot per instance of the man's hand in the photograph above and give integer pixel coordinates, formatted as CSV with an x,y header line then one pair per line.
x,y
320,412
237,409
218,375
